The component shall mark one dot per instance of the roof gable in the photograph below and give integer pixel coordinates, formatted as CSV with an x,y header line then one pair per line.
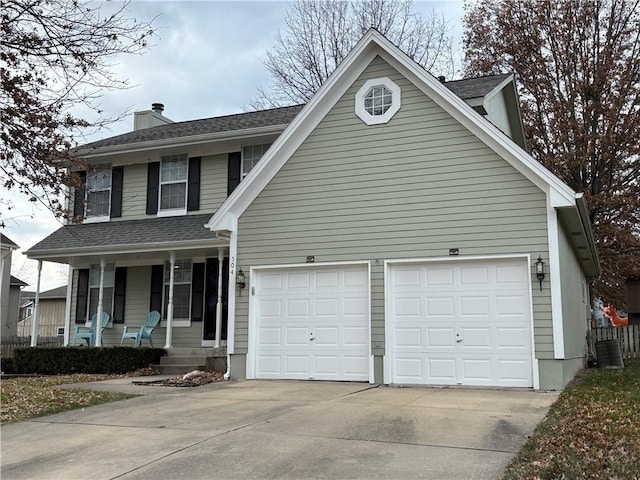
x,y
372,44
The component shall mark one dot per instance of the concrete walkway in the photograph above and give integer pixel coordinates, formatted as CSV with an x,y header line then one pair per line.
x,y
277,429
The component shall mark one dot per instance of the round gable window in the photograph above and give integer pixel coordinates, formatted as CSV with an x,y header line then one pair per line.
x,y
377,101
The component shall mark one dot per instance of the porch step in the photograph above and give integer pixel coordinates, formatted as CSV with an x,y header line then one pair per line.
x,y
185,360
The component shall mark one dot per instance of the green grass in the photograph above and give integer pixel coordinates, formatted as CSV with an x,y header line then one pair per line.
x,y
29,397
591,431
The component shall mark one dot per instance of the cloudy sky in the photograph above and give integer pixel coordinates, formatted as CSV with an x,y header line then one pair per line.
x,y
205,61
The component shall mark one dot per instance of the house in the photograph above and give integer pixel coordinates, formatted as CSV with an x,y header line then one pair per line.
x,y
392,230
51,312
9,289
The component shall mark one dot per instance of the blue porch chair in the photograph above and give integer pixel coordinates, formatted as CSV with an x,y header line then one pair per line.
x,y
138,332
89,333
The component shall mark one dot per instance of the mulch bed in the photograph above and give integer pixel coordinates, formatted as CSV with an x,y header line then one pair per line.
x,y
193,379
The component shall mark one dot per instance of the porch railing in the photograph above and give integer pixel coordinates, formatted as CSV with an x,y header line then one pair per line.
x,y
9,344
628,336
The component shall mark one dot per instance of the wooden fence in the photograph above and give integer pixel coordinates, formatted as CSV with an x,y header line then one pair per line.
x,y
9,344
629,338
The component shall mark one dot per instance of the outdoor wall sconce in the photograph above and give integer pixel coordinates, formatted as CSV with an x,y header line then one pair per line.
x,y
240,280
540,270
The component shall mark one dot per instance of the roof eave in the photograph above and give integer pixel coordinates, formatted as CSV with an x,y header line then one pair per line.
x,y
180,141
123,249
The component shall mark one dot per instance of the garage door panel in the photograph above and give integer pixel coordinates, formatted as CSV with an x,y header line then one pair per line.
x,y
327,307
269,364
270,336
356,337
474,306
513,338
442,369
475,370
474,275
296,336
469,321
473,337
406,337
440,306
312,323
441,337
410,368
326,336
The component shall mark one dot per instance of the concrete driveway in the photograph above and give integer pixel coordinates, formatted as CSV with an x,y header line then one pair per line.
x,y
278,429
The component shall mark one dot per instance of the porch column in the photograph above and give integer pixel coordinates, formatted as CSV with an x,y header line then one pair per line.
x,y
67,307
172,266
98,327
216,342
36,306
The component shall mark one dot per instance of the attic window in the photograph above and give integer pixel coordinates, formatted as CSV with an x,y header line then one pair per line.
x,y
377,101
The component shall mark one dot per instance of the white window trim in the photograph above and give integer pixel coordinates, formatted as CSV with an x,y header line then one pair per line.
x,y
177,322
396,101
173,212
58,329
98,218
105,286
242,160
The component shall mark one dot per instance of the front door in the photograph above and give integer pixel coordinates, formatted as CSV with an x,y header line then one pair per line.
x,y
211,300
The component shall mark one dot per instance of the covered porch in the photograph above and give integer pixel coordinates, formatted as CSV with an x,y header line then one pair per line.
x,y
128,268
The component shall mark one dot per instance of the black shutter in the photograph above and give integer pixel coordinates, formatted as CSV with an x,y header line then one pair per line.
x,y
193,187
197,292
233,171
78,196
157,284
82,295
116,191
119,293
153,181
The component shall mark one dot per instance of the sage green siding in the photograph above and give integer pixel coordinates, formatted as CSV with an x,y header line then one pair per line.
x,y
576,311
411,188
213,187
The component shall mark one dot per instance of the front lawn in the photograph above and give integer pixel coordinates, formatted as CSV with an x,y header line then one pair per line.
x,y
28,397
591,431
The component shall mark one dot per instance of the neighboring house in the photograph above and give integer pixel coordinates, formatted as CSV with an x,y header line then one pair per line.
x,y
9,289
51,311
633,300
388,231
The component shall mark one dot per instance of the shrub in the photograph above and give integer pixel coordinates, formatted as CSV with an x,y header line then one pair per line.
x,y
63,360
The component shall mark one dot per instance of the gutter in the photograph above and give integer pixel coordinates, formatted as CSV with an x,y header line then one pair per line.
x,y
130,248
179,141
583,213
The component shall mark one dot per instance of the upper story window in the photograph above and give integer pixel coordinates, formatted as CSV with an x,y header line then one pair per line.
x,y
377,101
98,193
173,183
251,155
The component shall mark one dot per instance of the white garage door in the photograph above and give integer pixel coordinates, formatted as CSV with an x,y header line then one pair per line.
x,y
461,323
312,323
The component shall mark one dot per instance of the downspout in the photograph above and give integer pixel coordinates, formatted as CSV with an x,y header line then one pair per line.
x,y
231,295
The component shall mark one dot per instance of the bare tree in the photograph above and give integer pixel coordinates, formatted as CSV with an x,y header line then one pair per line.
x,y
578,69
55,56
320,33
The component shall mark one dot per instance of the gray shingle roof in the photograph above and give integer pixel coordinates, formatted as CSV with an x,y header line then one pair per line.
x,y
227,123
16,281
7,242
127,232
58,292
465,89
475,87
